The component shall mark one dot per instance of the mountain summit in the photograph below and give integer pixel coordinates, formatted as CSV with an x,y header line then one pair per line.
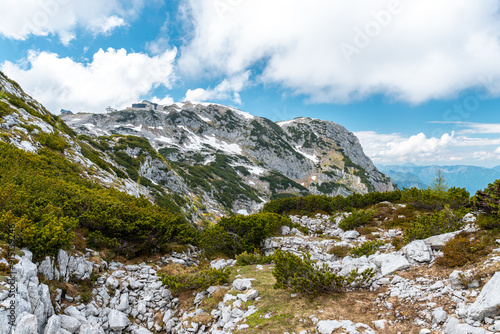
x,y
233,161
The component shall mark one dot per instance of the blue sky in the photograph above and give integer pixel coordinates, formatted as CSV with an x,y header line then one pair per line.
x,y
416,81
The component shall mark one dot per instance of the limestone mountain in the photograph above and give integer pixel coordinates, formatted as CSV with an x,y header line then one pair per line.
x,y
205,160
229,157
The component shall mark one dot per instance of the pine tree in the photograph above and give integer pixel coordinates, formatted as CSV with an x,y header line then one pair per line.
x,y
439,183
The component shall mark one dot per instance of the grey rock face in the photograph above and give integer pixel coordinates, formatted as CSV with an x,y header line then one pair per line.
x,y
69,323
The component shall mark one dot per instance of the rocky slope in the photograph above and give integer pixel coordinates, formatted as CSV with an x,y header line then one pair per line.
x,y
408,293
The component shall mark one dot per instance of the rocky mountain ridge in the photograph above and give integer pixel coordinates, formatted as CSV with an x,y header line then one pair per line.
x,y
260,159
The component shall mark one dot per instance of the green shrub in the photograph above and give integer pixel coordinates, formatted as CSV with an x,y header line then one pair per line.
x,y
303,276
437,223
196,281
44,237
237,234
488,200
97,240
357,218
30,182
434,200
314,203
460,251
245,258
5,109
52,141
488,222
368,248
339,251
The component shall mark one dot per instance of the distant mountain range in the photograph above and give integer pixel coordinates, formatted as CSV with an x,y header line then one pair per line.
x,y
472,178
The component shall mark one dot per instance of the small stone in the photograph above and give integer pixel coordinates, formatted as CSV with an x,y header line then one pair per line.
x,y
439,316
380,324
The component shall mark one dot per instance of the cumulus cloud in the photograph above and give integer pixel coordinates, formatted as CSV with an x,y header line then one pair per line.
x,y
339,51
113,78
21,18
227,90
397,148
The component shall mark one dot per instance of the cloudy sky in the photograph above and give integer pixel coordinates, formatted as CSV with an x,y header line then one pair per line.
x,y
416,81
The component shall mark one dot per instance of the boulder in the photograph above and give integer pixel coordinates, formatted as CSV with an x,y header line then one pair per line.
x,y
53,325
350,235
438,241
117,320
46,268
242,284
62,260
91,328
389,263
418,252
69,323
486,304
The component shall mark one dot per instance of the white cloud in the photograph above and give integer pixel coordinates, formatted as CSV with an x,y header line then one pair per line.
x,y
398,148
227,90
424,50
113,78
166,101
21,18
484,155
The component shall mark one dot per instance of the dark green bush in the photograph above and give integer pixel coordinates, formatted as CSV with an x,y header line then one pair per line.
x,y
52,141
357,218
5,109
488,222
437,223
237,234
488,200
314,203
201,280
339,251
303,276
29,183
44,237
434,200
368,248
